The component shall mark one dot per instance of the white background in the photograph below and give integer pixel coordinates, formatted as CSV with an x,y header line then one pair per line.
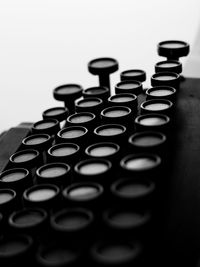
x,y
47,43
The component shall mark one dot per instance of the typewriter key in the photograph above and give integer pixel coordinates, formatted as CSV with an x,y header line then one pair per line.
x,y
124,99
58,113
85,194
130,86
116,253
68,93
31,221
29,159
39,142
169,66
163,106
118,114
141,165
148,141
110,133
93,170
17,178
64,152
103,67
73,134
47,126
165,92
133,74
42,196
165,79
72,221
134,193
16,250
152,122
85,119
8,200
173,49
126,223
54,173
90,104
97,91
57,255
105,150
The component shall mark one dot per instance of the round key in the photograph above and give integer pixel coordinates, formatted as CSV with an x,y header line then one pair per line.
x,y
16,250
42,196
115,253
58,113
101,92
72,222
72,134
28,158
148,141
84,194
163,106
8,201
103,67
128,100
57,254
106,150
28,220
130,86
169,66
165,92
68,93
173,49
141,165
152,122
57,173
64,152
94,170
133,74
110,133
39,142
165,79
47,126
85,119
17,178
133,193
89,104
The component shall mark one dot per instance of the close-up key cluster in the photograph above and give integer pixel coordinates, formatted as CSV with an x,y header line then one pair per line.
x,y
87,184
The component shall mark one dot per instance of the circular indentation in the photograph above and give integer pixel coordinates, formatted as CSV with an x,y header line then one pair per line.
x,y
156,105
72,219
6,195
45,124
40,193
27,218
152,120
80,117
133,74
115,112
147,139
35,139
161,92
24,156
72,132
13,175
89,102
11,246
62,150
56,255
102,149
132,189
115,252
52,170
122,98
102,66
110,130
92,167
140,162
83,191
125,219
54,111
